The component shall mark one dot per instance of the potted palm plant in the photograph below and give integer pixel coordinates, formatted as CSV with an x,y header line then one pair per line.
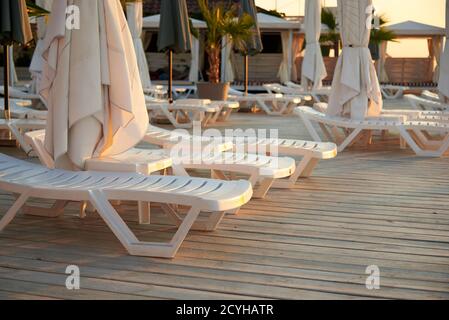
x,y
223,24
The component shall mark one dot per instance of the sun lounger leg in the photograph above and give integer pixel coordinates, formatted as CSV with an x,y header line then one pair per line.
x,y
412,144
127,237
310,165
12,212
209,224
303,170
311,129
264,107
144,212
226,115
179,170
218,174
261,191
444,146
349,140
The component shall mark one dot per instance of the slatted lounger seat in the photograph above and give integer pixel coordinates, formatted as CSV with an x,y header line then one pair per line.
x,y
433,116
405,114
345,131
318,95
271,104
262,170
420,103
167,139
311,152
99,188
182,113
135,160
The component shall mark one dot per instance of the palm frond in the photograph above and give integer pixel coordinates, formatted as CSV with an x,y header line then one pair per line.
x,y
34,10
223,22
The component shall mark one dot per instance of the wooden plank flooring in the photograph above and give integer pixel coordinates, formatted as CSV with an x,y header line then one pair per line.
x,y
382,206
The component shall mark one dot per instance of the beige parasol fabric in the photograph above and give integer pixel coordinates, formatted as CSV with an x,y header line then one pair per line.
x,y
227,67
443,82
355,87
134,12
285,69
381,63
91,84
313,68
36,61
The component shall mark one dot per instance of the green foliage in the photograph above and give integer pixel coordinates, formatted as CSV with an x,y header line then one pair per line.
x,y
382,33
332,38
34,10
329,19
223,22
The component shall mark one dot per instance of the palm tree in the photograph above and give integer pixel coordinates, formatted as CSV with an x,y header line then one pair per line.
x,y
223,22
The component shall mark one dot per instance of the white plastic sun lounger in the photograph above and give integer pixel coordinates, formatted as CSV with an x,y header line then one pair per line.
x,y
155,92
420,103
318,95
27,180
18,127
404,114
182,113
271,104
135,160
184,91
345,131
207,154
311,152
179,91
417,115
262,170
19,110
225,109
19,94
275,88
429,95
167,139
392,92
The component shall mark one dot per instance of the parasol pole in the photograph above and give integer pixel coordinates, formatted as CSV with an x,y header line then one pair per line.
x,y
246,66
170,77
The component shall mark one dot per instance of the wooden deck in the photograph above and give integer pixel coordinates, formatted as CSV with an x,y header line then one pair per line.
x,y
381,207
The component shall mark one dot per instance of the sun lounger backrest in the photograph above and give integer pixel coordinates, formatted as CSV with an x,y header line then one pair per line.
x,y
37,139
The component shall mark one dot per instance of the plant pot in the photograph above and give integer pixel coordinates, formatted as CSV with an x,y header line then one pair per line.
x,y
213,91
375,51
325,50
